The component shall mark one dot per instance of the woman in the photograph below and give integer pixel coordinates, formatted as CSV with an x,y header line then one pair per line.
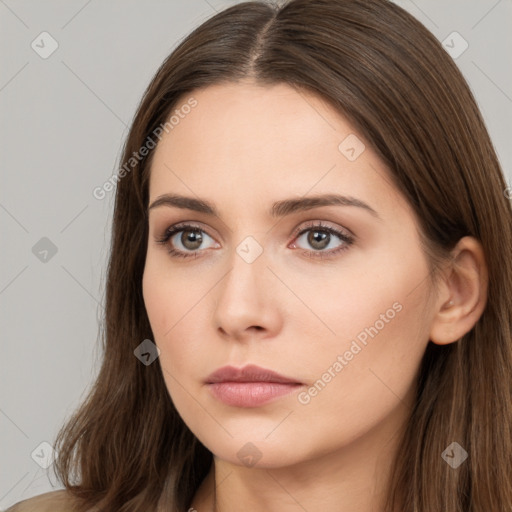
x,y
309,295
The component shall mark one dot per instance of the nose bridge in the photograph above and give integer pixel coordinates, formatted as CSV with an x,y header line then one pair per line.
x,y
244,298
248,266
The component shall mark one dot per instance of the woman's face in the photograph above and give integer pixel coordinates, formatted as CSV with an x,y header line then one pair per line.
x,y
332,296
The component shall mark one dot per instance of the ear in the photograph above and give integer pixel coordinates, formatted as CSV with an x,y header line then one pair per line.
x,y
462,293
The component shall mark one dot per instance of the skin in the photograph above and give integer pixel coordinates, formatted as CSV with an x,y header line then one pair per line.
x,y
243,147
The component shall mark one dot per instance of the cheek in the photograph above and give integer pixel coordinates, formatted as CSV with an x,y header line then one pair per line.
x,y
166,311
377,301
173,306
169,296
382,333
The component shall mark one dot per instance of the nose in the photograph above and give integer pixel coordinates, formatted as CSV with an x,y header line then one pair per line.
x,y
247,300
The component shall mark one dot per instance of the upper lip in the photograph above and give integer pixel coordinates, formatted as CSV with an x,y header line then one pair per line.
x,y
249,373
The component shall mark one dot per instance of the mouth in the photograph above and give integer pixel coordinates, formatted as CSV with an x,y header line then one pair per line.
x,y
250,386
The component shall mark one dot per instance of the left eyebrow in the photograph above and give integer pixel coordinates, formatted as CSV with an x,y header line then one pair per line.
x,y
289,206
278,209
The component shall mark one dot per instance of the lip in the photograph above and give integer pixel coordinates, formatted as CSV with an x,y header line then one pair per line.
x,y
250,386
249,373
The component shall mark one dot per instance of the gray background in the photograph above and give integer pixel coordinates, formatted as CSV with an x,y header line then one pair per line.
x,y
63,120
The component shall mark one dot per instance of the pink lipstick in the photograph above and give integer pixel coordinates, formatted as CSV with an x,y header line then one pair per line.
x,y
250,386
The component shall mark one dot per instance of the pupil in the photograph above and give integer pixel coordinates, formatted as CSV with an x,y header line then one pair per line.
x,y
318,238
192,240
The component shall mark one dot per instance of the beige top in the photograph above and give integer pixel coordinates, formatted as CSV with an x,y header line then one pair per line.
x,y
55,501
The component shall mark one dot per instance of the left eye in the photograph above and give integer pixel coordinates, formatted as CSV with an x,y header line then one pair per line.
x,y
320,238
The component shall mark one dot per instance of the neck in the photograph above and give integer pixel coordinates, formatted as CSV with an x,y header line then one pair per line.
x,y
355,477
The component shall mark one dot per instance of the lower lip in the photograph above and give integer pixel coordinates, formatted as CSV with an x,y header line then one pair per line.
x,y
250,394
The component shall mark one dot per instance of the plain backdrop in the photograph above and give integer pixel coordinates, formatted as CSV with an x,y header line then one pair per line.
x,y
64,117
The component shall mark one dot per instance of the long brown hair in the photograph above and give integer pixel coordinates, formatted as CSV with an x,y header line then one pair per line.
x,y
126,448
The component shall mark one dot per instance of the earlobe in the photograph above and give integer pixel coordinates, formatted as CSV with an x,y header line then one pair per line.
x,y
463,293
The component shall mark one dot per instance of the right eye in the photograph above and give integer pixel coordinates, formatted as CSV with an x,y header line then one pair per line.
x,y
188,236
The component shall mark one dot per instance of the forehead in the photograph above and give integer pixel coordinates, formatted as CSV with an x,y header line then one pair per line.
x,y
234,121
244,143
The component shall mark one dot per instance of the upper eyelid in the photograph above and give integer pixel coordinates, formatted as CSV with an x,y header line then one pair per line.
x,y
297,231
320,224
183,226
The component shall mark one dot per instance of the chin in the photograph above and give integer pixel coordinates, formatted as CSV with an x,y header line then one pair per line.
x,y
257,452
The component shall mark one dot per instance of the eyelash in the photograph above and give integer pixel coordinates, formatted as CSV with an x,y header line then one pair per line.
x,y
348,240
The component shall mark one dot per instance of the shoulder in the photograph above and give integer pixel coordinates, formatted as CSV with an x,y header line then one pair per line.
x,y
55,501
